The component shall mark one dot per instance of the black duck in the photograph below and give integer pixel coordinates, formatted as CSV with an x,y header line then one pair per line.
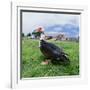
x,y
53,52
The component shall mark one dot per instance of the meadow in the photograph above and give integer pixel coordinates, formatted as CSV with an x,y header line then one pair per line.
x,y
32,57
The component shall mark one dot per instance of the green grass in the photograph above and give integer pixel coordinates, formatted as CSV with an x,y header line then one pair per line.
x,y
32,58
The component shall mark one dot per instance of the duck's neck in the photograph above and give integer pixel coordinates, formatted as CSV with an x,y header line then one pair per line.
x,y
42,37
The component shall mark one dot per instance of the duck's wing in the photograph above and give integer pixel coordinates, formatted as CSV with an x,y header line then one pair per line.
x,y
58,49
50,50
54,47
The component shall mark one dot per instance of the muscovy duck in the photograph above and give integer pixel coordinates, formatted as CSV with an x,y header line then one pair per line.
x,y
53,52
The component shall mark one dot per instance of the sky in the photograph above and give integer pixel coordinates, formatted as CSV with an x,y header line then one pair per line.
x,y
52,23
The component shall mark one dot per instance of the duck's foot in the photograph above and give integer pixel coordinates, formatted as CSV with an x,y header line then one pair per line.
x,y
46,62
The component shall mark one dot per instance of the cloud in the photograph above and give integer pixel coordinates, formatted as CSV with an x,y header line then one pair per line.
x,y
33,20
67,29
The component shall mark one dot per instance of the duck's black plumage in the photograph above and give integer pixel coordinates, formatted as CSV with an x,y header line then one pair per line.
x,y
53,52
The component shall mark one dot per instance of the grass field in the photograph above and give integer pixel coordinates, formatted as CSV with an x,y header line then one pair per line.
x,y
32,58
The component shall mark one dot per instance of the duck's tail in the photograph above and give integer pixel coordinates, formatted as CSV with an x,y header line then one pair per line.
x,y
65,59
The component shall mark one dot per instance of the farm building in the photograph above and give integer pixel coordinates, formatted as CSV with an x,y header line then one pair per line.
x,y
48,37
61,37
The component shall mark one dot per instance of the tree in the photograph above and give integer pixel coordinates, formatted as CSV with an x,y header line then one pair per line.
x,y
29,34
37,34
23,35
